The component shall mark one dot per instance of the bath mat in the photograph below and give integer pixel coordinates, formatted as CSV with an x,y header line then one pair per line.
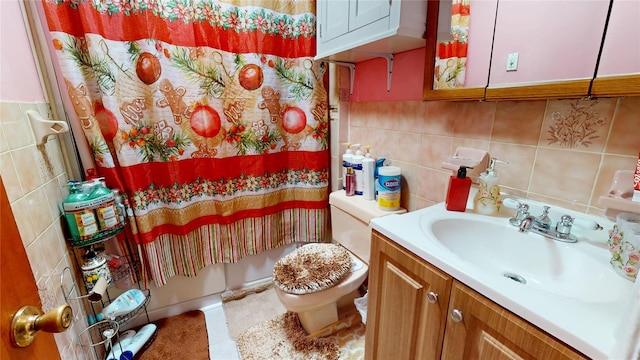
x,y
312,268
284,338
182,336
247,307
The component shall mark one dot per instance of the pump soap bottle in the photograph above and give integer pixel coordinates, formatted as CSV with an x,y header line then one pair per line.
x,y
487,200
458,191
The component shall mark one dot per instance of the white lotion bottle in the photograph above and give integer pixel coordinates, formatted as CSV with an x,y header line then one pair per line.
x,y
368,170
356,163
346,163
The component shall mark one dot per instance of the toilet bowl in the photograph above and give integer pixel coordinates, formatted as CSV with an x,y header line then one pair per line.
x,y
319,308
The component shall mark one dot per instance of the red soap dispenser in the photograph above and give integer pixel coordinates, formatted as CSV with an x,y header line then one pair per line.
x,y
458,191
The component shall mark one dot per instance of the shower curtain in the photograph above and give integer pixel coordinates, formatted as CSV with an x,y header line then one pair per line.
x,y
210,116
451,56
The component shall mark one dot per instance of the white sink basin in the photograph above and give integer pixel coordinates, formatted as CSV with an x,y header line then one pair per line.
x,y
566,289
530,259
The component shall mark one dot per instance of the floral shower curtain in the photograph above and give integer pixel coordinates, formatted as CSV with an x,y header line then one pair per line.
x,y
451,56
210,116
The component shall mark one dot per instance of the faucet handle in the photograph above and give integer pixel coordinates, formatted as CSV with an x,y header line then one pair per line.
x,y
511,203
544,220
587,224
564,225
523,210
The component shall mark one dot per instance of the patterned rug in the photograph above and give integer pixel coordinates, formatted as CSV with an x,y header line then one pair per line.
x,y
247,307
281,336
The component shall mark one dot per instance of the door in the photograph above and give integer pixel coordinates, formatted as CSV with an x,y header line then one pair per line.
x,y
17,289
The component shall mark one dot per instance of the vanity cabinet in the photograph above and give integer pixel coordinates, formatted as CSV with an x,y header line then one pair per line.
x,y
416,311
407,304
350,30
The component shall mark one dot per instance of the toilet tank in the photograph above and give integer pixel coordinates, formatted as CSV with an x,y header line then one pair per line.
x,y
350,217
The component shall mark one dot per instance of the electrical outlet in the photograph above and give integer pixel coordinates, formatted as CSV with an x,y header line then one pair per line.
x,y
512,62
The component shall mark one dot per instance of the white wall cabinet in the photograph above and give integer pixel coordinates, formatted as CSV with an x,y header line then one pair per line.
x,y
350,30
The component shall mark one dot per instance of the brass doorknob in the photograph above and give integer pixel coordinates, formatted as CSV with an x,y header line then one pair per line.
x,y
29,320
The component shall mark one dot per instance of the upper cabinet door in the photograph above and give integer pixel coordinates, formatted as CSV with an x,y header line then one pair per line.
x,y
619,68
358,30
440,67
367,11
334,19
553,40
553,47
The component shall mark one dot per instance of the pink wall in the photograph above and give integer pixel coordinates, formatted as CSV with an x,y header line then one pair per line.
x,y
18,76
406,80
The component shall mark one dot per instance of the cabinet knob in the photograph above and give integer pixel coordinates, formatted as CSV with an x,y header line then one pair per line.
x,y
456,315
432,297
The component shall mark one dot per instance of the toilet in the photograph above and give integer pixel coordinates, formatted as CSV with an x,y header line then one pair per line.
x,y
342,266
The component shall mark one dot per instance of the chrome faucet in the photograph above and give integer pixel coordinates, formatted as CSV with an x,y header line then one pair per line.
x,y
526,223
542,224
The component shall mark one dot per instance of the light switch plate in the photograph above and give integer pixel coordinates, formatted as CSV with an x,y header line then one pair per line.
x,y
512,62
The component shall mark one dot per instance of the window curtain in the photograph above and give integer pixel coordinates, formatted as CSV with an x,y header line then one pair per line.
x,y
451,56
210,116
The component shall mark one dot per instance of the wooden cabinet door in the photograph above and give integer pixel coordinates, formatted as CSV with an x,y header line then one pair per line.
x,y
402,321
487,331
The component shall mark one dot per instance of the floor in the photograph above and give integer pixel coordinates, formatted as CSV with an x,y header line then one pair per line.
x,y
221,347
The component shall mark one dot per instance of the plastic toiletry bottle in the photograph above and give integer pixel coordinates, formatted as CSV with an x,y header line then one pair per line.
x,y
368,170
487,200
356,163
389,188
458,191
105,206
78,212
379,163
350,178
346,163
120,208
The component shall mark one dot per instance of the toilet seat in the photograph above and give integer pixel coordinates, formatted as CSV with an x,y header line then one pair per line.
x,y
312,268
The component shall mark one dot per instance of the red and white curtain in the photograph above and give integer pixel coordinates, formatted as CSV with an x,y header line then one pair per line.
x,y
451,56
210,116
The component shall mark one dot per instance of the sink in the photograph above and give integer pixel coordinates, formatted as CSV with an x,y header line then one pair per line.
x,y
529,259
567,289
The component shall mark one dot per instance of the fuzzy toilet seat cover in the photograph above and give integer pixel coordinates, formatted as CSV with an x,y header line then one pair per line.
x,y
311,268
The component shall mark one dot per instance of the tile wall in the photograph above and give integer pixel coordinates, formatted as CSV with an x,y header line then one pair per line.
x,y
33,177
562,152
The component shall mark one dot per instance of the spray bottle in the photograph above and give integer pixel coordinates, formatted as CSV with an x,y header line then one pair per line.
x,y
379,163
